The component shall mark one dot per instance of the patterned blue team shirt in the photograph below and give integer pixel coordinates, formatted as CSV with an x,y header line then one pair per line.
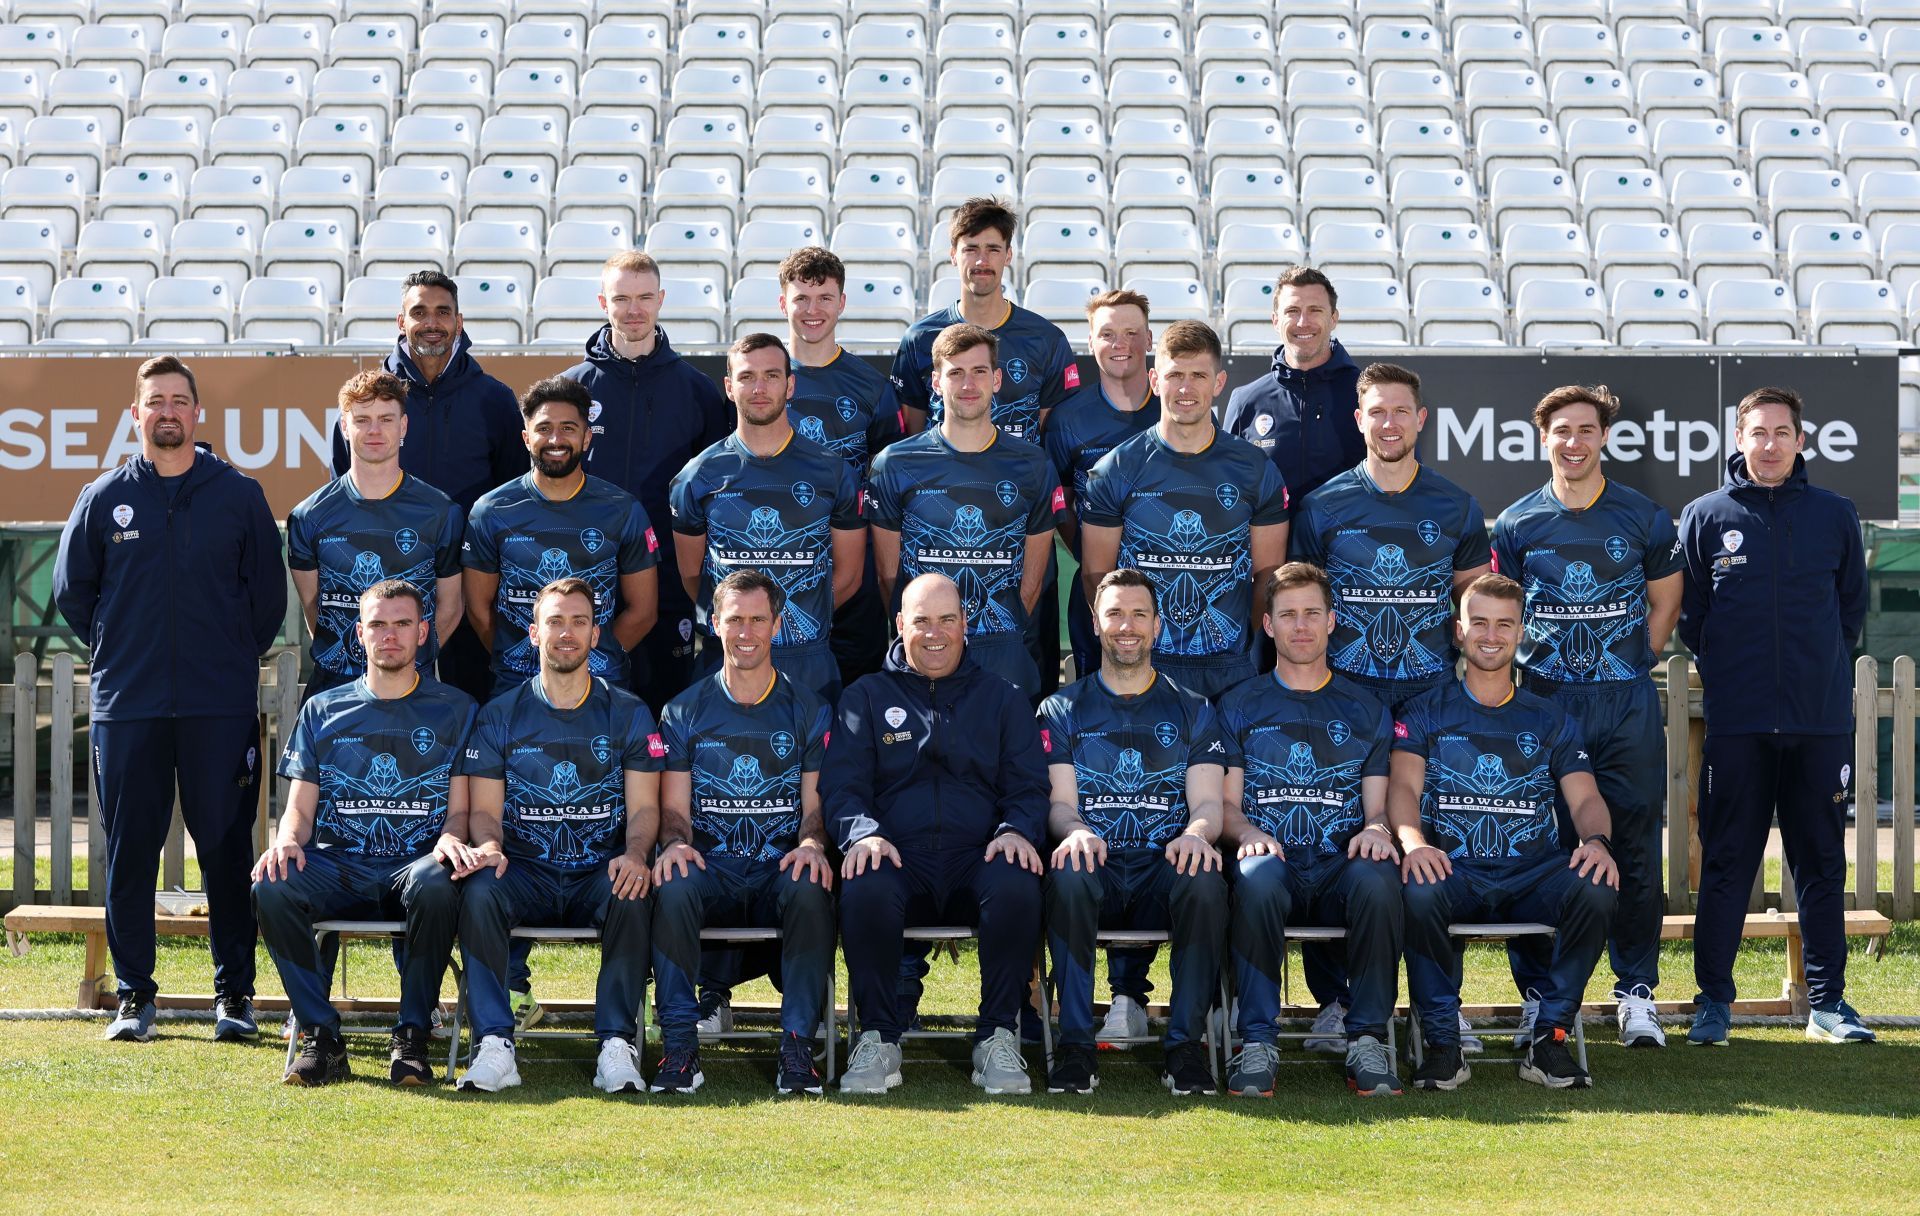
x,y
746,762
1130,755
1586,573
564,770
773,514
847,407
529,540
1036,364
1391,558
383,767
1085,427
1303,755
413,533
1186,522
966,515
1493,772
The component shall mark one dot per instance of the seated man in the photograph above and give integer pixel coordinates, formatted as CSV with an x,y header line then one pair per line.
x,y
740,808
1476,765
938,796
564,772
1136,764
374,820
1306,806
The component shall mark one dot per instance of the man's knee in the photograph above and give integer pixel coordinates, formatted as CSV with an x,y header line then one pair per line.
x,y
1260,887
1427,903
429,888
1203,894
1374,885
1590,899
1007,889
1071,891
678,900
879,894
276,900
484,903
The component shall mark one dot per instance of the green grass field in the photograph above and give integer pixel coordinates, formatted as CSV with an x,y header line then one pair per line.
x,y
1772,1124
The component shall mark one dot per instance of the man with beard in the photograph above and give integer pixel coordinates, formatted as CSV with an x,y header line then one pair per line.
x,y
1476,769
1301,415
169,570
554,522
1136,765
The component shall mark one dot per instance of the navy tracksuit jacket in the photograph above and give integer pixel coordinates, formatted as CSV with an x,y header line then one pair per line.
x,y
1303,420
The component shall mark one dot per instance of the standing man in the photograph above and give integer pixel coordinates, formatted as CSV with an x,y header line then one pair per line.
x,y
375,828
1601,568
1302,415
1136,765
169,570
372,523
742,843
973,503
1202,514
937,797
464,426
1476,766
843,403
564,790
1306,809
650,412
557,521
1775,596
767,499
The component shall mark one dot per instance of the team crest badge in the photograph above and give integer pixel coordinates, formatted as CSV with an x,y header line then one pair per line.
x,y
846,407
1617,548
1167,733
1263,425
1339,732
405,539
1006,491
602,748
782,744
592,539
422,740
896,717
803,493
1017,370
1529,743
123,515
1227,493
593,412
686,630
1429,532
1732,539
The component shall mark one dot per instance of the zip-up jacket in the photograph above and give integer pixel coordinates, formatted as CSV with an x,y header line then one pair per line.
x,y
1303,420
651,416
1776,594
178,595
463,430
934,764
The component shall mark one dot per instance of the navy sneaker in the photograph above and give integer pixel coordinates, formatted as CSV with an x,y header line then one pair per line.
x,y
1711,1019
1837,1023
134,1022
679,1071
797,1073
233,1019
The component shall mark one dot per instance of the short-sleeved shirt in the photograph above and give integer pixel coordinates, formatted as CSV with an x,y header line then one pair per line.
x,y
774,514
565,770
1130,755
1391,559
383,767
1085,427
746,761
1186,521
1493,771
847,407
1037,369
1304,755
413,533
529,540
1586,573
966,515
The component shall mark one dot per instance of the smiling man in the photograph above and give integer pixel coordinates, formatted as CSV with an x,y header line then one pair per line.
x,y
1301,415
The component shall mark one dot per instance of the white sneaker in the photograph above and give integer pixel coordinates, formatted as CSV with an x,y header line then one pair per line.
x,y
1529,1014
721,1021
1639,1024
1329,1032
493,1068
1125,1020
1470,1044
619,1069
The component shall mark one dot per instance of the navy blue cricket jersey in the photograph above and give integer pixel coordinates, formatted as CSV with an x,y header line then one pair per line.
x,y
383,767
746,761
1037,369
1493,771
564,769
1130,755
529,540
1303,755
847,407
966,515
1186,522
413,533
774,514
1586,573
1085,427
1391,558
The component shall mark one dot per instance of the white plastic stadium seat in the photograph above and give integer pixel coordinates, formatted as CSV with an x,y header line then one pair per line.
x,y
1861,313
1623,251
1445,251
1257,252
495,249
1459,311
105,311
495,309
213,248
1374,312
122,249
1740,251
397,248
154,195
1751,312
1820,253
566,307
1657,310
30,253
188,310
19,315
1560,310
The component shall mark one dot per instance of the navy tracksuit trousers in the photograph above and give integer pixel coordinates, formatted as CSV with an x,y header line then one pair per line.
x,y
739,893
1361,896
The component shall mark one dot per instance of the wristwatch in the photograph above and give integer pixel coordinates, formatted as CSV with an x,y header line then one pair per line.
x,y
1601,837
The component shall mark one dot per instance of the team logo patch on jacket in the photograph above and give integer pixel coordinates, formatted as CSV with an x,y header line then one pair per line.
x,y
1732,539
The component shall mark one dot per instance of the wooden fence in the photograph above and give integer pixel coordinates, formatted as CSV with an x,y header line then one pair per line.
x,y
43,720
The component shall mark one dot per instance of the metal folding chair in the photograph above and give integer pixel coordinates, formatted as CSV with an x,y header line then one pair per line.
x,y
1106,939
1500,933
389,930
738,937
1295,933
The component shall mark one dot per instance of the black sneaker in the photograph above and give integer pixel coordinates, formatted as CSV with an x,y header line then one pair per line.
x,y
1550,1062
322,1059
1074,1070
679,1071
233,1019
1443,1068
407,1057
1186,1071
797,1073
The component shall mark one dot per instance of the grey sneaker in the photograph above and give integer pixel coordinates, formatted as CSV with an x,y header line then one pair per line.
x,y
998,1066
1529,1014
133,1023
1837,1023
1250,1073
1370,1069
233,1019
1329,1033
1125,1020
874,1068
